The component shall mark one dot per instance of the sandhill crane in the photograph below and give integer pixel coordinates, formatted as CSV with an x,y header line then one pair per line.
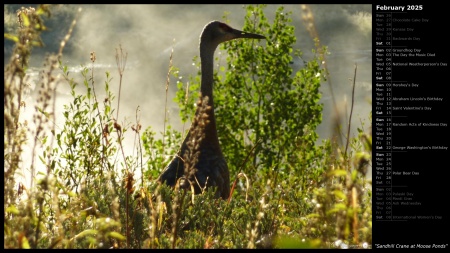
x,y
210,167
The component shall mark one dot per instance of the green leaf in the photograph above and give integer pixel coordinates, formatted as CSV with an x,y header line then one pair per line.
x,y
11,37
25,243
338,207
116,235
338,173
289,242
25,19
340,195
12,209
84,233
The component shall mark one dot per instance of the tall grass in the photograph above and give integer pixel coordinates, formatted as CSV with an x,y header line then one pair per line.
x,y
92,195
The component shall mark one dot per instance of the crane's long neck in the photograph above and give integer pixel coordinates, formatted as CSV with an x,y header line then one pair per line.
x,y
207,80
207,68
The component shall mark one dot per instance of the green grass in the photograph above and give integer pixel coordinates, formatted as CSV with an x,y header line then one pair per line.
x,y
288,191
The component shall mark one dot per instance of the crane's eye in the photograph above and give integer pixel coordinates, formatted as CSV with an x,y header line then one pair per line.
x,y
225,27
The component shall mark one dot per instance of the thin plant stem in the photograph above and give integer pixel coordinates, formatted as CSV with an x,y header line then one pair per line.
x,y
165,105
121,61
351,110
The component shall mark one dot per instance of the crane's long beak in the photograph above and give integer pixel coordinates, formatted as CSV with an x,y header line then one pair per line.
x,y
241,34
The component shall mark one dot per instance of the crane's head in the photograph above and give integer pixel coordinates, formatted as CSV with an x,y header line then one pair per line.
x,y
216,32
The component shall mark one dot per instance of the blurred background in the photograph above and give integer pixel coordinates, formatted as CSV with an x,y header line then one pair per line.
x,y
148,34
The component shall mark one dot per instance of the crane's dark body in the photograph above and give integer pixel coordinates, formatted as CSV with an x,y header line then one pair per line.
x,y
211,167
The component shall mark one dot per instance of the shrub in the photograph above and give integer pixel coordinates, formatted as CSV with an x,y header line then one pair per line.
x,y
288,191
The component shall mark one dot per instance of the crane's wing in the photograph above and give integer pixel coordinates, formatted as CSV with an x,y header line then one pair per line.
x,y
212,170
172,172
